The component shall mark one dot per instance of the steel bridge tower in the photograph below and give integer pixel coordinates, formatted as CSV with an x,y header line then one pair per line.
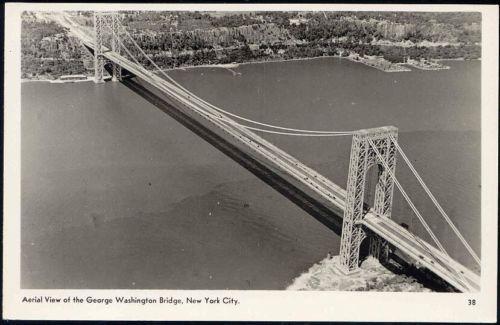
x,y
106,36
363,156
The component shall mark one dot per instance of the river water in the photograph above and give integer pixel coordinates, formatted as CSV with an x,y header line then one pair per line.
x,y
117,194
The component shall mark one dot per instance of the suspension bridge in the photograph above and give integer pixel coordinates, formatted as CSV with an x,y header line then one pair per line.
x,y
345,208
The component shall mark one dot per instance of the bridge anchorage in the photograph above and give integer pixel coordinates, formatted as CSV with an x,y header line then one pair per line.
x,y
364,155
106,32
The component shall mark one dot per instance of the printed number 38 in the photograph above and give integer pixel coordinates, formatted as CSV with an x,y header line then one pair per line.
x,y
471,302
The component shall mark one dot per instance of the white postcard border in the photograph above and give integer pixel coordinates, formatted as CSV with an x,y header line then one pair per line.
x,y
255,305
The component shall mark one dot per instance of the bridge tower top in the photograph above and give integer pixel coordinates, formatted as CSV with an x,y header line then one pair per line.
x,y
363,156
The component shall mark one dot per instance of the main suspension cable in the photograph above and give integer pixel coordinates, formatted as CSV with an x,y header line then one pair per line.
x,y
284,155
219,109
295,134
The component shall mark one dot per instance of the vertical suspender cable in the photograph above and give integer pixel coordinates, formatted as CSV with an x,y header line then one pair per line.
x,y
407,198
436,203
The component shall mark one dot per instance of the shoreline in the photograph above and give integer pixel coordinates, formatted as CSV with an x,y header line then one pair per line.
x,y
236,65
230,66
400,67
35,80
428,68
58,81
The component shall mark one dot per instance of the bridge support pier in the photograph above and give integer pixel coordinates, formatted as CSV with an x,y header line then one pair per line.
x,y
362,158
106,32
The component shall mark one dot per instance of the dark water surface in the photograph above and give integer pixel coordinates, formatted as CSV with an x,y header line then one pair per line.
x,y
116,194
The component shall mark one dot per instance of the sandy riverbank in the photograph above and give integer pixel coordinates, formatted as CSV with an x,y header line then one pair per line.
x,y
236,65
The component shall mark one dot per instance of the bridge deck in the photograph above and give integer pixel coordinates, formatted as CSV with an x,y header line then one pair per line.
x,y
423,253
326,191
